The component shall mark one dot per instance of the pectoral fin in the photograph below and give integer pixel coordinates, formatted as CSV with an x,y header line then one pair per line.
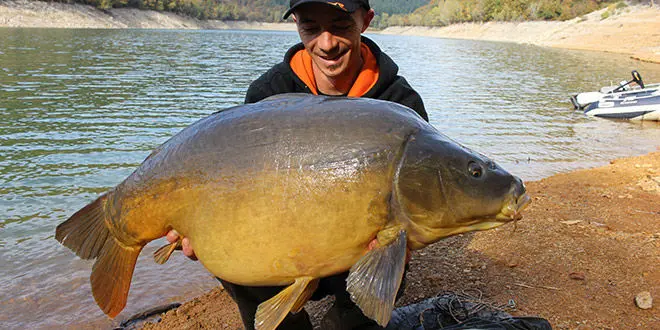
x,y
374,280
164,252
292,299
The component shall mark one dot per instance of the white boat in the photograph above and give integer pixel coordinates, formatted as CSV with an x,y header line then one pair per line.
x,y
623,101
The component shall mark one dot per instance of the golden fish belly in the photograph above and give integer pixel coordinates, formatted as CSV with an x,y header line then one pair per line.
x,y
270,229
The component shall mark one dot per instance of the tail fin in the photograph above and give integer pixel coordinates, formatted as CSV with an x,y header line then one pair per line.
x,y
86,234
112,274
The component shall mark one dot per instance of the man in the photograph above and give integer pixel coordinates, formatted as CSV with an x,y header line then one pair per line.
x,y
332,59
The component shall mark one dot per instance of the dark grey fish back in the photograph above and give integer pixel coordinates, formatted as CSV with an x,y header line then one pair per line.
x,y
293,130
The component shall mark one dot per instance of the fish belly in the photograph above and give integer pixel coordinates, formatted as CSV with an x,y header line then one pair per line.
x,y
275,229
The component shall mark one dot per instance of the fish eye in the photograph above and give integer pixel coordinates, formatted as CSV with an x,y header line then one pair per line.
x,y
475,169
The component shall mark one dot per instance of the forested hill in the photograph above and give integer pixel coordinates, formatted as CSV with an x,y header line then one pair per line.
x,y
445,12
388,12
396,6
235,10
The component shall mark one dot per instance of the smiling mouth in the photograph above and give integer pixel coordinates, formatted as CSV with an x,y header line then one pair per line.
x,y
332,59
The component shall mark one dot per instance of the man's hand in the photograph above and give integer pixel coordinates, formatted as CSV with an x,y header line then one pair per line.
x,y
172,236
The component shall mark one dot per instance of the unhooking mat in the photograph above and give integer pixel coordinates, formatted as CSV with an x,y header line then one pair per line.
x,y
450,311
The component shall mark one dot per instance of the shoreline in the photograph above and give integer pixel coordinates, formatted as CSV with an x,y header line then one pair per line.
x,y
634,30
38,14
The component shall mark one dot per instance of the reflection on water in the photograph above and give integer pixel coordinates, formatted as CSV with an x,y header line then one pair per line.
x,y
82,108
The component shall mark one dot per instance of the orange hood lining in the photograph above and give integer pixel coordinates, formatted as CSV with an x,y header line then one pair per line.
x,y
301,64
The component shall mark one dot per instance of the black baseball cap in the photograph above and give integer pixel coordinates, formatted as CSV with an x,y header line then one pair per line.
x,y
348,6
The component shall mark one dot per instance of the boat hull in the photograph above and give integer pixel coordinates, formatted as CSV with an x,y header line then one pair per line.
x,y
632,109
633,104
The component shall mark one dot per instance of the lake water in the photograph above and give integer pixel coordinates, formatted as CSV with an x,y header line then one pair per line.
x,y
81,109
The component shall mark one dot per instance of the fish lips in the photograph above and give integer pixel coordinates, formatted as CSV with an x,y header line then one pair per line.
x,y
512,210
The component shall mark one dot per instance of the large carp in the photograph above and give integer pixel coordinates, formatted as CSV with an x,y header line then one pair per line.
x,y
292,189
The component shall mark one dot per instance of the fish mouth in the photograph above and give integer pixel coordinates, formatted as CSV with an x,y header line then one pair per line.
x,y
511,211
513,208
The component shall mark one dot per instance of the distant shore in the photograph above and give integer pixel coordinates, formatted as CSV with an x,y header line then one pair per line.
x,y
633,30
38,14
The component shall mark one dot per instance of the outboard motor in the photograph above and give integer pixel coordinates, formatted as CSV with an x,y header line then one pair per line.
x,y
637,78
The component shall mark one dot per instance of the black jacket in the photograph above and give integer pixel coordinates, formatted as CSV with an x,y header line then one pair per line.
x,y
390,86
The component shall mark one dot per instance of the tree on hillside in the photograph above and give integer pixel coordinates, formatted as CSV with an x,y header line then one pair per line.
x,y
444,12
396,6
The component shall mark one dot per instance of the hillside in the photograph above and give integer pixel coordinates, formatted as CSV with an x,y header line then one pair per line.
x,y
446,12
388,12
632,30
233,10
39,14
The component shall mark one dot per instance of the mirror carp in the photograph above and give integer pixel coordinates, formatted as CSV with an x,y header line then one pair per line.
x,y
292,189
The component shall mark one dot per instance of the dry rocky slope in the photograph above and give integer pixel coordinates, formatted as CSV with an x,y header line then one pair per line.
x,y
632,30
38,14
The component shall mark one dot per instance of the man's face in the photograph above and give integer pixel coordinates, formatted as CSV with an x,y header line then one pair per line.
x,y
332,37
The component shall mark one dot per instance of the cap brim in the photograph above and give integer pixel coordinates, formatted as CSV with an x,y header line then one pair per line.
x,y
344,8
288,13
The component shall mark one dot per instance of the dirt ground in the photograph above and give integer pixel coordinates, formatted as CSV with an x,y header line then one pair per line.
x,y
586,246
